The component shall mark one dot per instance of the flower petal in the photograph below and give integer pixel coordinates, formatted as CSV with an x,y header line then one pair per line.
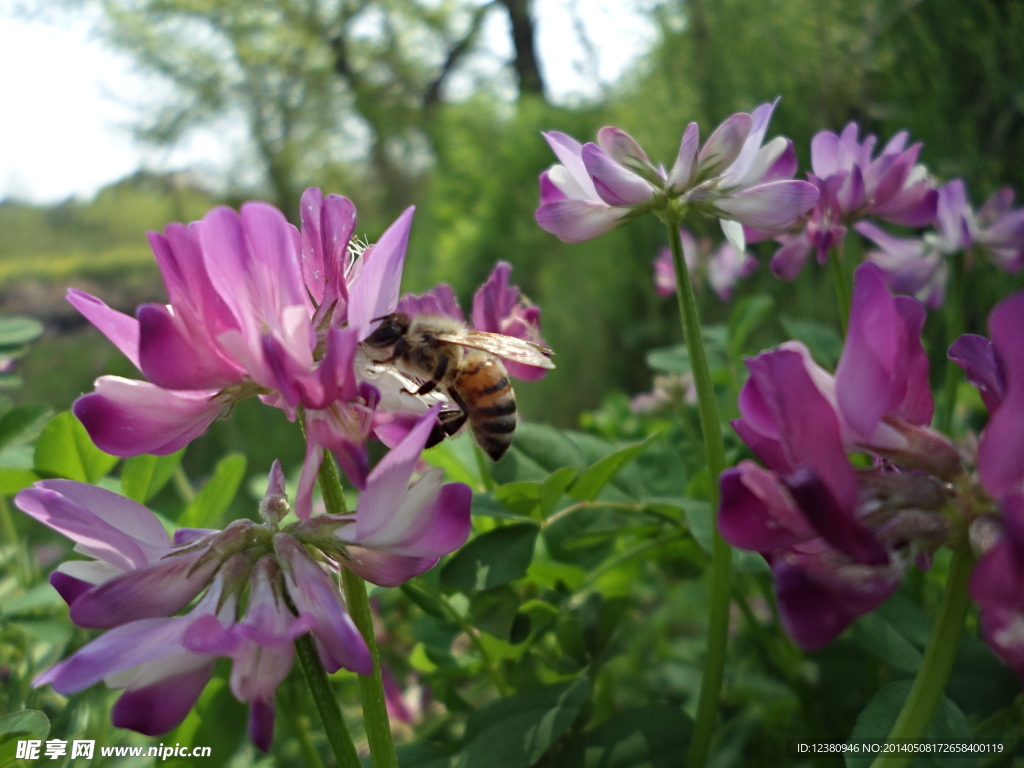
x,y
725,143
773,205
576,221
374,294
126,417
684,170
615,184
161,706
173,359
120,328
977,357
1001,451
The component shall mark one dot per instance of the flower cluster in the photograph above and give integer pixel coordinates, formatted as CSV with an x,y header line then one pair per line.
x,y
597,187
259,586
839,539
258,308
723,267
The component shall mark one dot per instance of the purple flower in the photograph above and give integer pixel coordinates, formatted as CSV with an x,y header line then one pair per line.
x,y
597,187
139,579
854,186
723,268
839,540
997,584
256,308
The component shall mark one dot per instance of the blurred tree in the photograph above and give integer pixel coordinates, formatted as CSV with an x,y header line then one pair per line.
x,y
348,88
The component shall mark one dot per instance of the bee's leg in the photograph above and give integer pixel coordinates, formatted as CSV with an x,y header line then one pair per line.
x,y
439,372
449,422
457,418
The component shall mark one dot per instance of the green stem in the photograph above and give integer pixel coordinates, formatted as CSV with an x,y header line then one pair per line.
x,y
954,310
721,553
319,684
493,671
293,706
371,687
835,261
926,693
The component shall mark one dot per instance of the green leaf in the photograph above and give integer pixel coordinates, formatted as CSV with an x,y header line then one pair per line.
x,y
493,558
42,598
822,340
215,497
23,424
485,505
143,476
879,638
877,719
13,480
64,449
424,600
17,330
522,497
650,737
26,724
515,732
417,756
744,320
494,611
547,447
908,619
590,483
552,489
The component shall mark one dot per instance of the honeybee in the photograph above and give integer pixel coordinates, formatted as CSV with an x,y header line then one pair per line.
x,y
446,355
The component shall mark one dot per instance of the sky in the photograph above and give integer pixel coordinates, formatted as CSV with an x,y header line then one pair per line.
x,y
66,98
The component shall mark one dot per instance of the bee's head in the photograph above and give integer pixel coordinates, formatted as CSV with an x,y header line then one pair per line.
x,y
392,328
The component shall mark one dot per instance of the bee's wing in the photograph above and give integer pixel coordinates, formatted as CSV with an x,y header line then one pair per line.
x,y
508,347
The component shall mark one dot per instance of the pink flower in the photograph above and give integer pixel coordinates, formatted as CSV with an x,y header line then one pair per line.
x,y
139,580
838,541
723,268
597,187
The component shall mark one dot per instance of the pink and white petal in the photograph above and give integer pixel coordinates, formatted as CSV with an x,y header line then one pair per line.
x,y
388,483
570,154
97,536
123,647
161,589
825,153
621,147
744,169
684,170
160,707
126,417
386,569
615,184
124,514
374,294
725,143
791,257
576,221
313,592
773,205
121,329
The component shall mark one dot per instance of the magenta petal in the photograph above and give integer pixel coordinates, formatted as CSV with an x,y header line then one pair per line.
x,y
1001,450
772,205
791,257
866,374
261,724
756,512
171,359
684,170
576,221
615,184
819,595
120,328
374,293
68,587
912,397
161,706
570,155
161,589
549,191
386,569
769,450
825,154
977,357
439,300
495,300
126,417
275,259
912,207
725,143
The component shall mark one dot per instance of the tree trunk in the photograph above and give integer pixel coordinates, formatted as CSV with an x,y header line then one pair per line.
x,y
526,65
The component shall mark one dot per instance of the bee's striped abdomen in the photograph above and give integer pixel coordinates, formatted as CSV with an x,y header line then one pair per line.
x,y
484,386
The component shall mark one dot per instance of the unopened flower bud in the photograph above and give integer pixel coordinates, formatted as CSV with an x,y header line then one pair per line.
x,y
925,449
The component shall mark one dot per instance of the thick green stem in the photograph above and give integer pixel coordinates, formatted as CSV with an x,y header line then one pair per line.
x,y
926,693
721,553
835,260
954,311
319,684
371,687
